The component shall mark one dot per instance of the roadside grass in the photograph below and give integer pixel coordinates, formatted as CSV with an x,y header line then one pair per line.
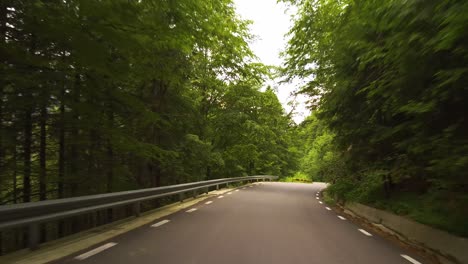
x,y
435,208
328,199
297,177
432,209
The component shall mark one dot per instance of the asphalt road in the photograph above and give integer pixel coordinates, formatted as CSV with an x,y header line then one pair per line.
x,y
268,223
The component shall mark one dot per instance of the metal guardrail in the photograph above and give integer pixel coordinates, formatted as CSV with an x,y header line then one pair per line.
x,y
35,213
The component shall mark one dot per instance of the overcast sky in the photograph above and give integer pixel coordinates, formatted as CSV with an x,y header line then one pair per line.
x,y
270,23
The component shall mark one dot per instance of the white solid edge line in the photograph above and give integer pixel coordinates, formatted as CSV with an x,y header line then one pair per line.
x,y
340,217
320,202
410,259
191,210
328,208
365,232
219,197
208,202
160,223
95,251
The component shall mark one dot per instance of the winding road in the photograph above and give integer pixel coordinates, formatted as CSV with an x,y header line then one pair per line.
x,y
284,223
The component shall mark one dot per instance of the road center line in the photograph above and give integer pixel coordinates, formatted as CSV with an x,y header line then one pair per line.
x,y
365,232
410,259
340,217
95,251
208,202
328,208
219,197
191,210
160,223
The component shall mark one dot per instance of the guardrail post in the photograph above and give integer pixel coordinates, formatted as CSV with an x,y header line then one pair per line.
x,y
217,186
33,236
137,209
207,190
181,197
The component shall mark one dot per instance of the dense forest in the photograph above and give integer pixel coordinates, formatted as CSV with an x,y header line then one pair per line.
x,y
111,95
388,81
102,96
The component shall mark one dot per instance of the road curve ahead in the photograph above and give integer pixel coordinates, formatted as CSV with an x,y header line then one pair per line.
x,y
267,223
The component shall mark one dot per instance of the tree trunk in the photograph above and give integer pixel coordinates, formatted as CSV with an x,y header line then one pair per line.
x,y
93,145
42,164
208,172
110,156
42,155
15,167
61,161
27,155
74,154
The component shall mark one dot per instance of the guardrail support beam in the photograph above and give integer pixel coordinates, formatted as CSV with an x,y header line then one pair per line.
x,y
33,236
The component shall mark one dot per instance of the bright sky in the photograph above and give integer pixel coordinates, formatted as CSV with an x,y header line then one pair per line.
x,y
271,21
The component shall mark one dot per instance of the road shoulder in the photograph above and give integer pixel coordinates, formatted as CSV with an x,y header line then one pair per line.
x,y
60,248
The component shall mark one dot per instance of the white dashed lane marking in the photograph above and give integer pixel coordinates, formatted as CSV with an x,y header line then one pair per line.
x,y
229,193
191,210
95,251
340,217
219,197
208,202
320,202
236,190
410,259
365,232
328,208
160,223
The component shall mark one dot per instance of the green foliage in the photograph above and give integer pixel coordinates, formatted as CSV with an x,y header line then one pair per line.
x,y
391,77
297,177
101,96
320,160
